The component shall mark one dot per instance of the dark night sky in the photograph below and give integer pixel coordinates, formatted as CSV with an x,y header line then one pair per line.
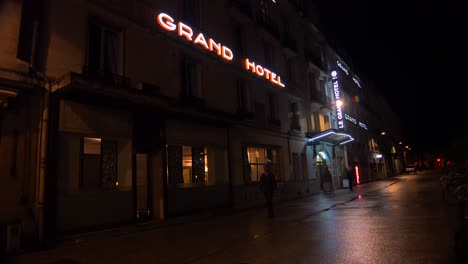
x,y
413,51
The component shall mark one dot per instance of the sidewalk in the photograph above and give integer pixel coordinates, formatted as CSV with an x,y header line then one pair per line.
x,y
197,235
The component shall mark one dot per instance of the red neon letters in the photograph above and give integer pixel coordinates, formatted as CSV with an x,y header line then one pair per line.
x,y
261,71
184,31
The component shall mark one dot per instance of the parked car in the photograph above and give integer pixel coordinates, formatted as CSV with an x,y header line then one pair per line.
x,y
410,168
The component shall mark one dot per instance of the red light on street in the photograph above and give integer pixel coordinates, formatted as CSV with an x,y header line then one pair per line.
x,y
438,159
356,168
360,196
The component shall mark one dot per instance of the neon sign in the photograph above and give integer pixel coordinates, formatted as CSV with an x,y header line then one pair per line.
x,y
342,67
350,118
339,103
185,32
261,71
357,82
363,125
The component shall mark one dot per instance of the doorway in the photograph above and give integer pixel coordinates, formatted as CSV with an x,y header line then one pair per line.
x,y
142,183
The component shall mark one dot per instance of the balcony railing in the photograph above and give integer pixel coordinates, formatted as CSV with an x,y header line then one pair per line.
x,y
107,78
318,97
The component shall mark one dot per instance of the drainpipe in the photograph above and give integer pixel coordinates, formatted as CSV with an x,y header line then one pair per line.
x,y
41,166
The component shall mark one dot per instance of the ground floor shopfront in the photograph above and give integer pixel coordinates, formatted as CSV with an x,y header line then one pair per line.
x,y
120,165
109,165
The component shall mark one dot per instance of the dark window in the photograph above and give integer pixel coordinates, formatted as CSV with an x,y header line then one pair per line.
x,y
269,55
192,78
103,48
190,12
266,9
273,103
29,28
289,68
260,113
294,116
243,97
239,39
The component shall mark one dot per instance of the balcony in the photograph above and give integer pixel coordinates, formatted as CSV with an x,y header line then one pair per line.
x,y
107,89
314,60
319,97
106,77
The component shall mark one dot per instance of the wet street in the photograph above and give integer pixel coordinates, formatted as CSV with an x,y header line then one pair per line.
x,y
398,220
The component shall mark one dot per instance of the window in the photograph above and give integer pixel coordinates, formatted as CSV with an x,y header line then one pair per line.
x,y
269,55
192,79
266,9
187,165
238,38
243,97
257,157
260,113
273,103
190,12
294,117
31,13
312,85
289,68
98,163
103,48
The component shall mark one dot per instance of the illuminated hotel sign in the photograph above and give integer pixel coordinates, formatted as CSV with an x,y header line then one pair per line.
x,y
363,125
339,103
184,31
260,71
350,118
356,82
342,67
353,120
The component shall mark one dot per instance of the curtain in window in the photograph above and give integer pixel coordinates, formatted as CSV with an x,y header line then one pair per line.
x,y
198,164
108,163
110,51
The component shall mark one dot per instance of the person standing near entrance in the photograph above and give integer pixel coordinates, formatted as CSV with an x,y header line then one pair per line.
x,y
268,187
350,176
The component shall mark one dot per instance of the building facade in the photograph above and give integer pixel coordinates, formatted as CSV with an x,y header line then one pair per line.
x,y
139,110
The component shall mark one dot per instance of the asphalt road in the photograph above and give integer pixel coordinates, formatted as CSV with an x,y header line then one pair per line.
x,y
398,220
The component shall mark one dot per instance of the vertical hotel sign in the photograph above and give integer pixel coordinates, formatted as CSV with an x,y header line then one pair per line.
x,y
338,102
185,32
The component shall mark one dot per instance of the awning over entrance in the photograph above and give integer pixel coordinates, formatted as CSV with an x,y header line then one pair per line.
x,y
332,136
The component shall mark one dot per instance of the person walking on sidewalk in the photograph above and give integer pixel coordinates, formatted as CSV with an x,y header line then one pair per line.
x,y
268,187
350,176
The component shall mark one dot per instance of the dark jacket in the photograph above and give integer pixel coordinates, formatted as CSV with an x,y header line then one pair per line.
x,y
267,182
